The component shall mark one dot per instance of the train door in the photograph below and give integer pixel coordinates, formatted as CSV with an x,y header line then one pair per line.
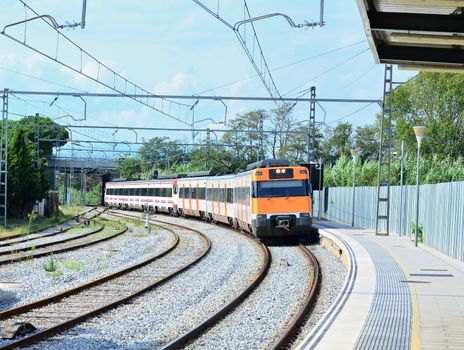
x,y
175,196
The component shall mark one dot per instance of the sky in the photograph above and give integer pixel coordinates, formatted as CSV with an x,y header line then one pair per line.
x,y
175,47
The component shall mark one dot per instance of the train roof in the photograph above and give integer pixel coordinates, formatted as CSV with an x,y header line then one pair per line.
x,y
268,163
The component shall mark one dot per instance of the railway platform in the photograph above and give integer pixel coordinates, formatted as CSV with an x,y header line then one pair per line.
x,y
396,296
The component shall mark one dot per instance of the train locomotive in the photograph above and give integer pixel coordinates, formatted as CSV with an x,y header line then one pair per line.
x,y
270,199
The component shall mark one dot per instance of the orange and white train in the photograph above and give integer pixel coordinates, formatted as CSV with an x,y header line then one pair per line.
x,y
270,199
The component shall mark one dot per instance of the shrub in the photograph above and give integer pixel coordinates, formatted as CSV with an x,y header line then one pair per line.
x,y
51,265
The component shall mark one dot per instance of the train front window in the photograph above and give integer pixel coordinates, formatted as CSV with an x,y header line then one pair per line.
x,y
282,188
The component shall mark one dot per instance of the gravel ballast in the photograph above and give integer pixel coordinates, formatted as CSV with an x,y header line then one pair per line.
x,y
332,277
261,318
164,313
27,281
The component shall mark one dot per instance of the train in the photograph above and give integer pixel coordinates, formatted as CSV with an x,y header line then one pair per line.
x,y
271,198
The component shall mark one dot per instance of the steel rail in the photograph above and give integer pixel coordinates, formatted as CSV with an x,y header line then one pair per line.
x,y
45,227
289,332
21,256
80,288
13,250
28,238
192,334
27,341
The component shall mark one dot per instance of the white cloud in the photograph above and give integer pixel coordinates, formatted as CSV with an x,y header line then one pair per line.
x,y
33,60
180,81
7,59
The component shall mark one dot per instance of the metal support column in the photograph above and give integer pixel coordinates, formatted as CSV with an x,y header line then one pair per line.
x,y
208,142
261,138
312,126
82,187
4,160
70,186
37,147
382,223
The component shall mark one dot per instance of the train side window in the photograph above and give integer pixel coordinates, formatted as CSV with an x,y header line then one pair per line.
x,y
193,192
174,187
229,195
181,192
144,192
169,192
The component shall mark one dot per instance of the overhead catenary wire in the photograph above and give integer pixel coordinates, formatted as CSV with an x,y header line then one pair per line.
x,y
116,81
292,92
261,69
322,54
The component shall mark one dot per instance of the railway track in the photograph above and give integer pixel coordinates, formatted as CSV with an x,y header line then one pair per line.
x,y
35,242
19,243
288,334
100,234
49,230
283,338
54,314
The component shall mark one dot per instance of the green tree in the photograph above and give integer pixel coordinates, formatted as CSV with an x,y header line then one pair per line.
x,y
25,183
216,159
47,129
338,141
367,140
160,153
435,100
244,136
130,168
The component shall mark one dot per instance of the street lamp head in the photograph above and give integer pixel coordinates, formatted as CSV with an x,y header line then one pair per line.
x,y
419,131
354,153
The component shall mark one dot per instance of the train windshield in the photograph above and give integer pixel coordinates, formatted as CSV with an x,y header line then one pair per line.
x,y
280,188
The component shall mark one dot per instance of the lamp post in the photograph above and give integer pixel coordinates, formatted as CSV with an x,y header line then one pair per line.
x,y
419,131
401,187
354,154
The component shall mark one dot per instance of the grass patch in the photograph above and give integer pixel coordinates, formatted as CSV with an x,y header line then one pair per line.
x,y
72,265
55,274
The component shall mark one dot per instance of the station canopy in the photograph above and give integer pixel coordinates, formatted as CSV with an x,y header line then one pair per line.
x,y
416,34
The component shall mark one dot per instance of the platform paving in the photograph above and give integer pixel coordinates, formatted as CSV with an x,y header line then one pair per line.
x,y
403,297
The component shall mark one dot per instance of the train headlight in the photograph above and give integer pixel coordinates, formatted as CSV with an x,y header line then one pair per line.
x,y
305,215
261,216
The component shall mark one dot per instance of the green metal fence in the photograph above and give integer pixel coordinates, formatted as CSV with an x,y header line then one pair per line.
x,y
441,212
